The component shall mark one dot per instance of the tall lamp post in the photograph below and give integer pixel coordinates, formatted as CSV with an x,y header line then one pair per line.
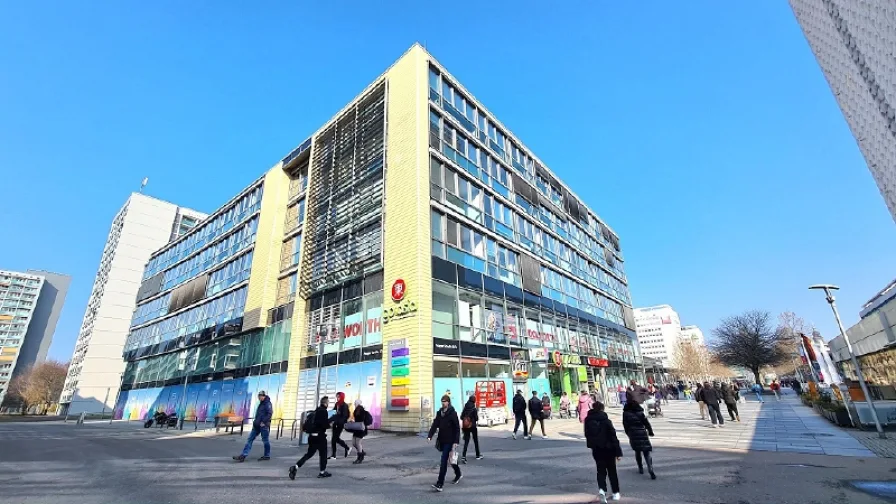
x,y
829,297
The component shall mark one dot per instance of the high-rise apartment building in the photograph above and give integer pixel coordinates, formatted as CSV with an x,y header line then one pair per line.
x,y
854,41
139,228
659,331
410,247
30,305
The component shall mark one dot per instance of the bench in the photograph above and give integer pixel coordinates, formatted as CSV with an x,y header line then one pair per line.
x,y
189,419
230,422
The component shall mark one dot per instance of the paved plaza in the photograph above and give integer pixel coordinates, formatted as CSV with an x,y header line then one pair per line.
x,y
777,454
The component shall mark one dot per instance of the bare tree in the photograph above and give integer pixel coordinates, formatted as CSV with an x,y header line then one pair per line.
x,y
43,384
749,340
791,327
15,398
690,360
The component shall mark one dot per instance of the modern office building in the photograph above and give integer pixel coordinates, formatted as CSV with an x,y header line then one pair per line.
x,y
30,305
659,331
410,247
141,226
692,334
853,41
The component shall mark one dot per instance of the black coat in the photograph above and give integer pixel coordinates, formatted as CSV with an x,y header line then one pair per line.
x,y
361,415
698,395
729,395
321,421
637,427
536,408
447,425
341,415
601,435
711,395
519,405
470,412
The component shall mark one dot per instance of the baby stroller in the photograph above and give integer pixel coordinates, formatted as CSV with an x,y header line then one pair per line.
x,y
654,409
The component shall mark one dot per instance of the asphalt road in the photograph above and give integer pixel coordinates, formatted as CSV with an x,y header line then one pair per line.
x,y
62,463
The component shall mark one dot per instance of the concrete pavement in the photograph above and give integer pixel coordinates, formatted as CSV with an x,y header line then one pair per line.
x,y
98,463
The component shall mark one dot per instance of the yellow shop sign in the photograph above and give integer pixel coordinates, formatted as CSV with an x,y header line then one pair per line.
x,y
402,310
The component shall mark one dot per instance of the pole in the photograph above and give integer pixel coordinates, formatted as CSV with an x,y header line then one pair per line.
x,y
855,364
117,396
103,414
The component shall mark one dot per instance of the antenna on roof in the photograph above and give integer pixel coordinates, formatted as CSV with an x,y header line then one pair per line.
x,y
143,184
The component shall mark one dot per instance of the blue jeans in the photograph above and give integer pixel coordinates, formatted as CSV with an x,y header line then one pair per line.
x,y
759,396
443,468
264,439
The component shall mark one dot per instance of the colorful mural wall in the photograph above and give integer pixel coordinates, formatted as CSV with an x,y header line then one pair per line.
x,y
360,380
203,400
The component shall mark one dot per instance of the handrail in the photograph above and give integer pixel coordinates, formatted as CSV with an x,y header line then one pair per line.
x,y
293,429
279,428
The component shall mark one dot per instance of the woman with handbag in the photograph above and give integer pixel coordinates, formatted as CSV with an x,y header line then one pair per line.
x,y
469,418
358,427
448,427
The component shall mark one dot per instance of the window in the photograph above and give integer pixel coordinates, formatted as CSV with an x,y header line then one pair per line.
x,y
444,310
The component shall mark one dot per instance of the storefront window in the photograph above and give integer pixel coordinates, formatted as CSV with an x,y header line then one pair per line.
x,y
499,370
373,318
352,323
471,368
445,368
494,320
533,329
512,325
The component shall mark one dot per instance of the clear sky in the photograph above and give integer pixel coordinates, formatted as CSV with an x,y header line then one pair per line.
x,y
703,132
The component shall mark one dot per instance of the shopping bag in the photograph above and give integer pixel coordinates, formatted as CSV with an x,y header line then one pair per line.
x,y
454,457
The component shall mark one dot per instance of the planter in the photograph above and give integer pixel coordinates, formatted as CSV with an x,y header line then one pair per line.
x,y
836,417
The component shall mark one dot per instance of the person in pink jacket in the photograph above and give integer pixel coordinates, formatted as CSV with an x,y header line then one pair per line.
x,y
584,405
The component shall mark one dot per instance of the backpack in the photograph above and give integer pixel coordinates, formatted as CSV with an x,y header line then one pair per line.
x,y
368,418
593,431
308,424
467,423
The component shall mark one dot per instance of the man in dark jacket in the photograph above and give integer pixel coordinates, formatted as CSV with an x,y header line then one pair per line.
x,y
536,411
713,399
470,415
317,440
638,430
447,425
639,393
601,438
519,411
261,425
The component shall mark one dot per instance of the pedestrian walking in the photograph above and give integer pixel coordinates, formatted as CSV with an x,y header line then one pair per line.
x,y
363,419
639,431
447,425
469,419
639,392
698,395
536,411
730,396
713,399
600,436
757,389
584,405
261,426
315,425
546,406
689,393
797,387
339,420
621,393
519,412
776,388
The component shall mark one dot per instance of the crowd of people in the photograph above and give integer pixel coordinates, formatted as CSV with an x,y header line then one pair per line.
x,y
449,428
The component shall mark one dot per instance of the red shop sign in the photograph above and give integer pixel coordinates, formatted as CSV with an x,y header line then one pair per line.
x,y
398,290
594,361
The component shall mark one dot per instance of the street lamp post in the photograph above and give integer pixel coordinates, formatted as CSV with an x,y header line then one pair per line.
x,y
829,297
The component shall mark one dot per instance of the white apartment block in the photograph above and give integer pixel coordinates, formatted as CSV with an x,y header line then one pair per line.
x,y
693,334
658,329
142,226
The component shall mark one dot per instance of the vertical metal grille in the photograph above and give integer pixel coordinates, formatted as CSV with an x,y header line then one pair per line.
x,y
343,238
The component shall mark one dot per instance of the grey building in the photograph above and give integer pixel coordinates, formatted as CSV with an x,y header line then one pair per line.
x,y
30,305
854,42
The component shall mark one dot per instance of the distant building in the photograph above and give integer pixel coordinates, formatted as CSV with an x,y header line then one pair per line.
x,y
658,329
853,41
873,340
30,305
142,226
692,334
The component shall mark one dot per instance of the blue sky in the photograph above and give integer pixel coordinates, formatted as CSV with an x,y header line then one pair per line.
x,y
702,132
